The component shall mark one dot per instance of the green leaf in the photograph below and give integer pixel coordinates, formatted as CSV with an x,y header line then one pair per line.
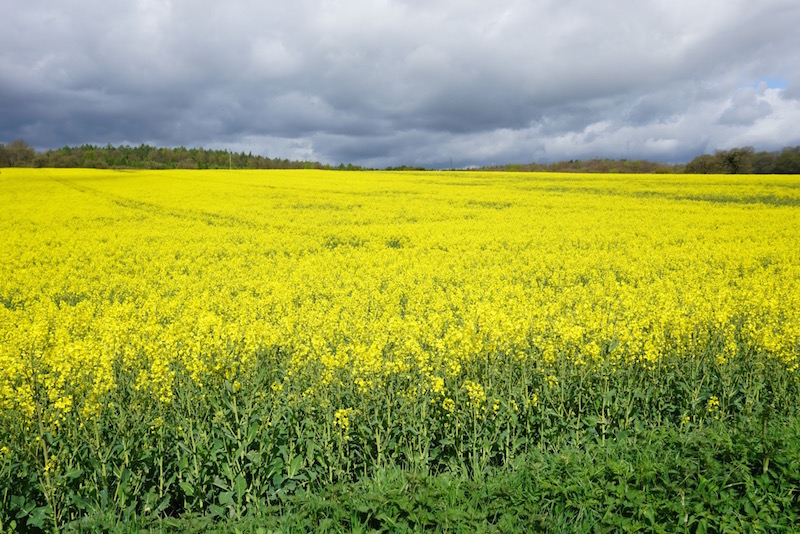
x,y
225,498
40,516
254,457
163,505
74,473
187,488
240,486
295,466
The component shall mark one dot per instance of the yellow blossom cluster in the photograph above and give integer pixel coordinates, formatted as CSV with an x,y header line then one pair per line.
x,y
475,394
132,278
341,418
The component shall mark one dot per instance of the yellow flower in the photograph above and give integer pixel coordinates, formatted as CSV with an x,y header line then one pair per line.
x,y
437,385
51,464
341,418
713,405
448,405
429,279
475,393
156,423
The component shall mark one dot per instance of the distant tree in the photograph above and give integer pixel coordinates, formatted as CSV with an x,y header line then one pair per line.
x,y
736,160
788,162
17,154
745,160
187,163
764,162
704,164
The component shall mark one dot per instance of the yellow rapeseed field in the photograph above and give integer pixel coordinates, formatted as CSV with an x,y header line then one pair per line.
x,y
362,277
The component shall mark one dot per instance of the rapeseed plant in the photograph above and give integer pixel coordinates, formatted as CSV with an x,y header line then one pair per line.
x,y
416,300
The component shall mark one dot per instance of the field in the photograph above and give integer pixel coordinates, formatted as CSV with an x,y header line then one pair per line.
x,y
344,350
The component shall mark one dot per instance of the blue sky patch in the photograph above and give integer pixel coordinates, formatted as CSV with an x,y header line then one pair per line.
x,y
773,83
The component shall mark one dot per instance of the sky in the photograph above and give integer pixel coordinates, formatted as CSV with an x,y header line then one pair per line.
x,y
415,82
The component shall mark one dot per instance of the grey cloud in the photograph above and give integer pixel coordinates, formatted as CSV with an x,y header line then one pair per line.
x,y
792,91
402,82
747,106
659,107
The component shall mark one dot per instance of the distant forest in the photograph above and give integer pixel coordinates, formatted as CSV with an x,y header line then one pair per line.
x,y
20,154
734,161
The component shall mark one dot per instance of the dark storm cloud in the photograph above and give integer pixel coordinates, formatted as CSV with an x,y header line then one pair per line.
x,y
388,82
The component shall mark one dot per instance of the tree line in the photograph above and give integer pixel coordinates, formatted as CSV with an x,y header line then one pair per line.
x,y
18,153
743,160
747,161
594,165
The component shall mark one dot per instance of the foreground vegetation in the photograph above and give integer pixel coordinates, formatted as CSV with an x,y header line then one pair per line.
x,y
303,350
228,460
